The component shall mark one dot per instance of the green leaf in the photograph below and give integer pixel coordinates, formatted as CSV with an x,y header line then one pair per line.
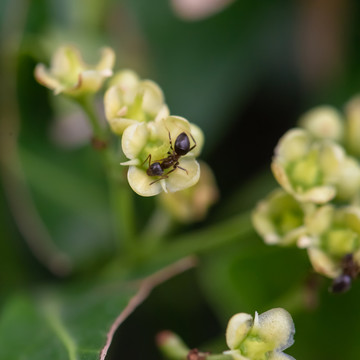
x,y
74,322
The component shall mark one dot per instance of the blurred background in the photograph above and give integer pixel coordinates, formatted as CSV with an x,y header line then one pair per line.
x,y
244,71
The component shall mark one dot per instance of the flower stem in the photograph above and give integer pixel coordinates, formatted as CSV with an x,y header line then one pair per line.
x,y
173,348
121,198
209,238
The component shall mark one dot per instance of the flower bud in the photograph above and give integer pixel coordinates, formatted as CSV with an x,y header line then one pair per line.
x,y
323,122
192,204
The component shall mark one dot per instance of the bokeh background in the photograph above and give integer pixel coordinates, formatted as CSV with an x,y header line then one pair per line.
x,y
244,71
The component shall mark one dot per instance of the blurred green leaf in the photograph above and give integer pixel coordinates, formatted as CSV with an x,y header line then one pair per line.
x,y
251,276
74,321
72,325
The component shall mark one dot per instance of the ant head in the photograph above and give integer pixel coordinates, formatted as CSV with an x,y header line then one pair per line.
x,y
155,169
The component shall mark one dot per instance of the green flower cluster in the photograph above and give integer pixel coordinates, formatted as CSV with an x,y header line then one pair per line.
x,y
161,148
317,206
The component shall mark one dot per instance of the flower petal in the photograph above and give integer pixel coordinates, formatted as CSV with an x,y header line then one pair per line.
x,y
293,145
134,139
198,135
323,264
141,183
67,64
279,356
107,61
181,179
44,77
173,125
153,97
317,195
276,326
238,327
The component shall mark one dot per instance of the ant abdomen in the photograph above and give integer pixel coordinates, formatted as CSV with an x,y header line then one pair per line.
x,y
182,144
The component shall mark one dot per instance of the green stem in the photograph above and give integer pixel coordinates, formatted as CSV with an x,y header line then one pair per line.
x,y
121,198
209,238
173,348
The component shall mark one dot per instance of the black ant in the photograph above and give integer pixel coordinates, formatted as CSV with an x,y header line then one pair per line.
x,y
350,271
181,148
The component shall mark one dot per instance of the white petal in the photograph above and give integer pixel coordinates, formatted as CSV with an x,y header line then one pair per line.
x,y
277,327
181,179
153,96
173,125
318,195
162,114
279,356
107,61
44,77
118,125
323,264
238,327
198,135
140,182
134,139
89,81
113,102
67,63
293,145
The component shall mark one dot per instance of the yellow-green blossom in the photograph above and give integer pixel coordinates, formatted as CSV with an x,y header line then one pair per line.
x,y
307,169
279,218
146,143
130,100
263,337
192,204
69,74
334,233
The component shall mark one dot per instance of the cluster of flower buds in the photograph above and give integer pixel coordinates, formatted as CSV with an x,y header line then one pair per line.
x,y
161,148
318,204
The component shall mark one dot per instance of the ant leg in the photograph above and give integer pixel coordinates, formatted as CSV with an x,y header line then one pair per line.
x,y
193,141
162,177
149,157
179,167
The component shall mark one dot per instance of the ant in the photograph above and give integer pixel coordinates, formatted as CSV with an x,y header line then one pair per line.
x,y
350,271
181,148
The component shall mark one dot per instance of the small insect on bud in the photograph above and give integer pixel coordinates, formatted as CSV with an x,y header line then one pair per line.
x,y
341,284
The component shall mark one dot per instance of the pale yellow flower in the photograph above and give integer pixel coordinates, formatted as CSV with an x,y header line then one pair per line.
x,y
308,169
279,218
69,74
334,233
130,100
260,338
147,143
